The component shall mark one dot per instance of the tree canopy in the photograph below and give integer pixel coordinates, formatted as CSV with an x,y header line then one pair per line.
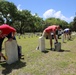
x,y
24,21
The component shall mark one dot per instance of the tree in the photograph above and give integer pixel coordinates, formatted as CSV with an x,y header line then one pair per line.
x,y
74,24
38,23
71,26
56,21
8,10
24,18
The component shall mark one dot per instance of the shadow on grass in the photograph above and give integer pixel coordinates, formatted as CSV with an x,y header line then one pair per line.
x,y
8,68
45,51
59,50
50,49
64,42
64,50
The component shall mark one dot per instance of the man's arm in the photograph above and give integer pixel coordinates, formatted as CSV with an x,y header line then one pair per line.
x,y
55,36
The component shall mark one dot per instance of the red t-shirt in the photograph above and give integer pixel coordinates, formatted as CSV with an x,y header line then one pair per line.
x,y
51,29
6,29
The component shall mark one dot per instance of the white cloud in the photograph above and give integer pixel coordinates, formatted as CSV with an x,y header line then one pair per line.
x,y
18,7
56,14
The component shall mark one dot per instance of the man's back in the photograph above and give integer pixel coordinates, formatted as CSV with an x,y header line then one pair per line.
x,y
51,28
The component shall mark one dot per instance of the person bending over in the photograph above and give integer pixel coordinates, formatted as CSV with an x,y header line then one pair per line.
x,y
51,29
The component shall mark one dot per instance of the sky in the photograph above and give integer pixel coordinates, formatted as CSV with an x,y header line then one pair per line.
x,y
63,9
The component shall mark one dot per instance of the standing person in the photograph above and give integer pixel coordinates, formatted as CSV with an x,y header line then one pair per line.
x,y
51,29
67,33
70,32
5,31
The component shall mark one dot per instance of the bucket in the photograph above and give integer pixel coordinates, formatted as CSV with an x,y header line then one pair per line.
x,y
57,46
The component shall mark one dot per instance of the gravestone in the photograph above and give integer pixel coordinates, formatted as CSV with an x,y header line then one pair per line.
x,y
19,36
41,43
11,51
62,37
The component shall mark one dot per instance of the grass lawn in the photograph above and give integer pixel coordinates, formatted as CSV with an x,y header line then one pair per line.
x,y
39,63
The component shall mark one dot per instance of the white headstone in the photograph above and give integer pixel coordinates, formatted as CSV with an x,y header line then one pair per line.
x,y
62,37
11,51
42,43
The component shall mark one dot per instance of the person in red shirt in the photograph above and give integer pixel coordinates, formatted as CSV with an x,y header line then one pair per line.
x,y
5,31
51,29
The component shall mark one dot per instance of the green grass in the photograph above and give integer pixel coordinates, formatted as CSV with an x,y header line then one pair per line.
x,y
38,63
